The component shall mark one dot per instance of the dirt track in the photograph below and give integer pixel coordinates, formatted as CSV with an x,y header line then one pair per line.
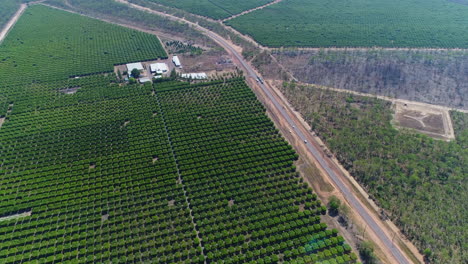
x,y
252,10
12,22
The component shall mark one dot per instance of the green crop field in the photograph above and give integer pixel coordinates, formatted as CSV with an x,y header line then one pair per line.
x,y
165,173
59,45
216,9
358,23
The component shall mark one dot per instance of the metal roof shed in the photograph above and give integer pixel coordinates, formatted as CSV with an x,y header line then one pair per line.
x,y
176,61
136,65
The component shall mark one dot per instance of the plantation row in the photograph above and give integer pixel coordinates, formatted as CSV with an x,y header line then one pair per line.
x,y
60,45
216,9
117,173
120,201
358,23
244,192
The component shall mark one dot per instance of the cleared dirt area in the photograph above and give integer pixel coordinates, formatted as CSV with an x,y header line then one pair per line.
x,y
2,120
15,216
70,90
208,61
432,121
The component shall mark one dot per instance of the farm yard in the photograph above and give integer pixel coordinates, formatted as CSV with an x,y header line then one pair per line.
x,y
96,170
358,23
216,9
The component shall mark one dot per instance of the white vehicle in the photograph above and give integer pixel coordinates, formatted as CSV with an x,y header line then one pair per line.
x,y
305,141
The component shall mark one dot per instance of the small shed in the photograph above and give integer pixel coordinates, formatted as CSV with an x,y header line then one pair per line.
x,y
144,80
176,61
136,65
159,68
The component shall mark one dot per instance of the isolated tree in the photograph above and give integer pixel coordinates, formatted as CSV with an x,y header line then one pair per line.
x,y
135,73
173,73
119,74
334,205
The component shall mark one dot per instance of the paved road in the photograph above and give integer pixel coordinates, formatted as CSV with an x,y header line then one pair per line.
x,y
329,167
312,149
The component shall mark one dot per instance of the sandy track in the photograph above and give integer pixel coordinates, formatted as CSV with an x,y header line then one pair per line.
x,y
12,22
251,10
15,18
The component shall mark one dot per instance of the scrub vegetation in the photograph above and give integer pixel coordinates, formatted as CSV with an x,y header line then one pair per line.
x,y
420,182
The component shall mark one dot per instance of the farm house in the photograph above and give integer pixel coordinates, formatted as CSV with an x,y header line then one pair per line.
x,y
176,61
159,68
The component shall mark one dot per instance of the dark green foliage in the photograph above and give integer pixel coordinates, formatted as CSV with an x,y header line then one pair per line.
x,y
216,9
366,250
135,73
178,47
420,181
358,23
334,204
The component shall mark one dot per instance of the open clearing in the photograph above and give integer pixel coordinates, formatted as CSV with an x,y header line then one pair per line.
x,y
432,121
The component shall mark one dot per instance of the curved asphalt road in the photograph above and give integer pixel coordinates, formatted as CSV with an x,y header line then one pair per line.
x,y
349,196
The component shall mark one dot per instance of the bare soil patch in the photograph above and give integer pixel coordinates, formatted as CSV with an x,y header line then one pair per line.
x,y
104,217
126,123
208,61
70,90
171,203
2,120
230,203
155,159
434,122
16,216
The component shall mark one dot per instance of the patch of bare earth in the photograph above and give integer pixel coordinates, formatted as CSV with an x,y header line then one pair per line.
x,y
16,216
171,203
433,122
70,90
207,62
2,120
104,217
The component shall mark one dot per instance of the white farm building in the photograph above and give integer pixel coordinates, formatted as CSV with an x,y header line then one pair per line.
x,y
136,65
195,76
159,68
145,80
176,61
